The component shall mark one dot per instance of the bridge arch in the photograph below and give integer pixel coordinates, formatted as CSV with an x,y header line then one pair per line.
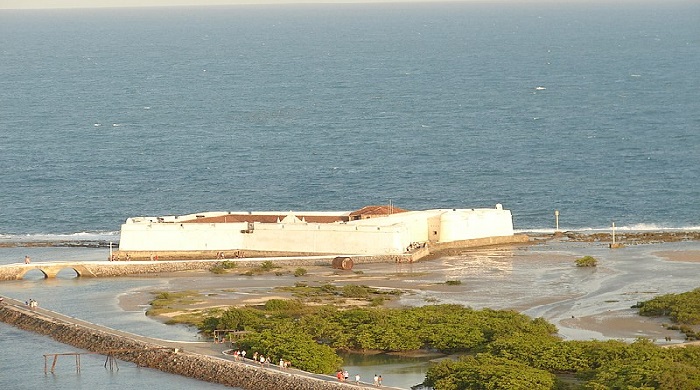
x,y
47,271
31,274
68,273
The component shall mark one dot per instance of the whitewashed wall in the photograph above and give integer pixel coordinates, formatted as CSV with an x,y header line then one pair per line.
x,y
465,224
181,237
296,237
388,235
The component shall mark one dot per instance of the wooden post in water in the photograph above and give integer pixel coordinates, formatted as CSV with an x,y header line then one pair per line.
x,y
55,360
112,362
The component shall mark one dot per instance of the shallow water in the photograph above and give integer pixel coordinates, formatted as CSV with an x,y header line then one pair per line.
x,y
539,280
542,281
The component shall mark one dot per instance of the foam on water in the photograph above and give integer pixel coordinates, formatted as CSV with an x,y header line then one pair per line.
x,y
100,236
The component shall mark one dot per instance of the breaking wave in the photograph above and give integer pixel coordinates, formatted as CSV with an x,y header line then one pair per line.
x,y
79,237
643,227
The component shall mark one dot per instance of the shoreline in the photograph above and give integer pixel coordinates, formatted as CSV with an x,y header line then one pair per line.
x,y
178,358
424,283
537,279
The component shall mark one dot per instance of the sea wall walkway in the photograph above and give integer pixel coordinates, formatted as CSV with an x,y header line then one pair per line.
x,y
167,356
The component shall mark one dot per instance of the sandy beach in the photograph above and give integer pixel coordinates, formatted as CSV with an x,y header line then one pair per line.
x,y
539,280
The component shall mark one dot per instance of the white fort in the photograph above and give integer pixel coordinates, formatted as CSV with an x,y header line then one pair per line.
x,y
372,230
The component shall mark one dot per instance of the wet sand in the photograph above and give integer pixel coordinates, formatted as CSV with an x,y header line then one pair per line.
x,y
688,256
539,280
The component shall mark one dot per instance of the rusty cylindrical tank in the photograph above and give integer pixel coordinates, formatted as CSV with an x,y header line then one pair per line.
x,y
344,263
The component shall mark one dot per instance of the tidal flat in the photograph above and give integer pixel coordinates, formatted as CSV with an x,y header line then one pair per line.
x,y
539,280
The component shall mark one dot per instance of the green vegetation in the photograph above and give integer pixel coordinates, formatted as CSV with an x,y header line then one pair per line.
x,y
268,266
265,266
220,268
300,272
328,293
447,328
165,302
538,363
485,371
683,309
501,349
586,261
284,305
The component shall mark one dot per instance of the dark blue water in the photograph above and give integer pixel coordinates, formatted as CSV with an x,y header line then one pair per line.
x,y
116,113
592,110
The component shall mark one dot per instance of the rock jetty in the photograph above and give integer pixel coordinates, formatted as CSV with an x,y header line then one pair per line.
x,y
160,357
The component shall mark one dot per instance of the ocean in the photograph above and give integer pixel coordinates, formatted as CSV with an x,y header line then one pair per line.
x,y
589,109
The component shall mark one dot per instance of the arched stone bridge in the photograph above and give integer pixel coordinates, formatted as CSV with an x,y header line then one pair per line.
x,y
50,269
100,268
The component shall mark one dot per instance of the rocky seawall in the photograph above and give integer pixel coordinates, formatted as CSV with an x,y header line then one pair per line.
x,y
165,358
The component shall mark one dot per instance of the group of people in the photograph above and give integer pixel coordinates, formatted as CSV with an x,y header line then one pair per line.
x,y
32,304
239,355
344,376
415,245
116,257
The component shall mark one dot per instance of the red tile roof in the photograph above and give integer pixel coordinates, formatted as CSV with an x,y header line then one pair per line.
x,y
378,210
273,218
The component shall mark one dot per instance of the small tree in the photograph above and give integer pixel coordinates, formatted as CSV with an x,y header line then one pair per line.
x,y
300,272
586,261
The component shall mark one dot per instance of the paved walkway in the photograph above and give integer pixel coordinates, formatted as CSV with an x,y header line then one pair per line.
x,y
194,347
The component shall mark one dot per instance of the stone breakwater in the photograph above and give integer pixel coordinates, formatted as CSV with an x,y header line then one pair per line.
x,y
161,357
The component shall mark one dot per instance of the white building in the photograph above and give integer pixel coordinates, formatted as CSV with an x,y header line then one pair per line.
x,y
373,230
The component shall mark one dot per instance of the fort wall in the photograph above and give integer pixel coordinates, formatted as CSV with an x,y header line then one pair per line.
x,y
386,235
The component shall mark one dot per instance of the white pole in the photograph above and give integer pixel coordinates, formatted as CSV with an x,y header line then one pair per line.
x,y
613,233
110,251
556,219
